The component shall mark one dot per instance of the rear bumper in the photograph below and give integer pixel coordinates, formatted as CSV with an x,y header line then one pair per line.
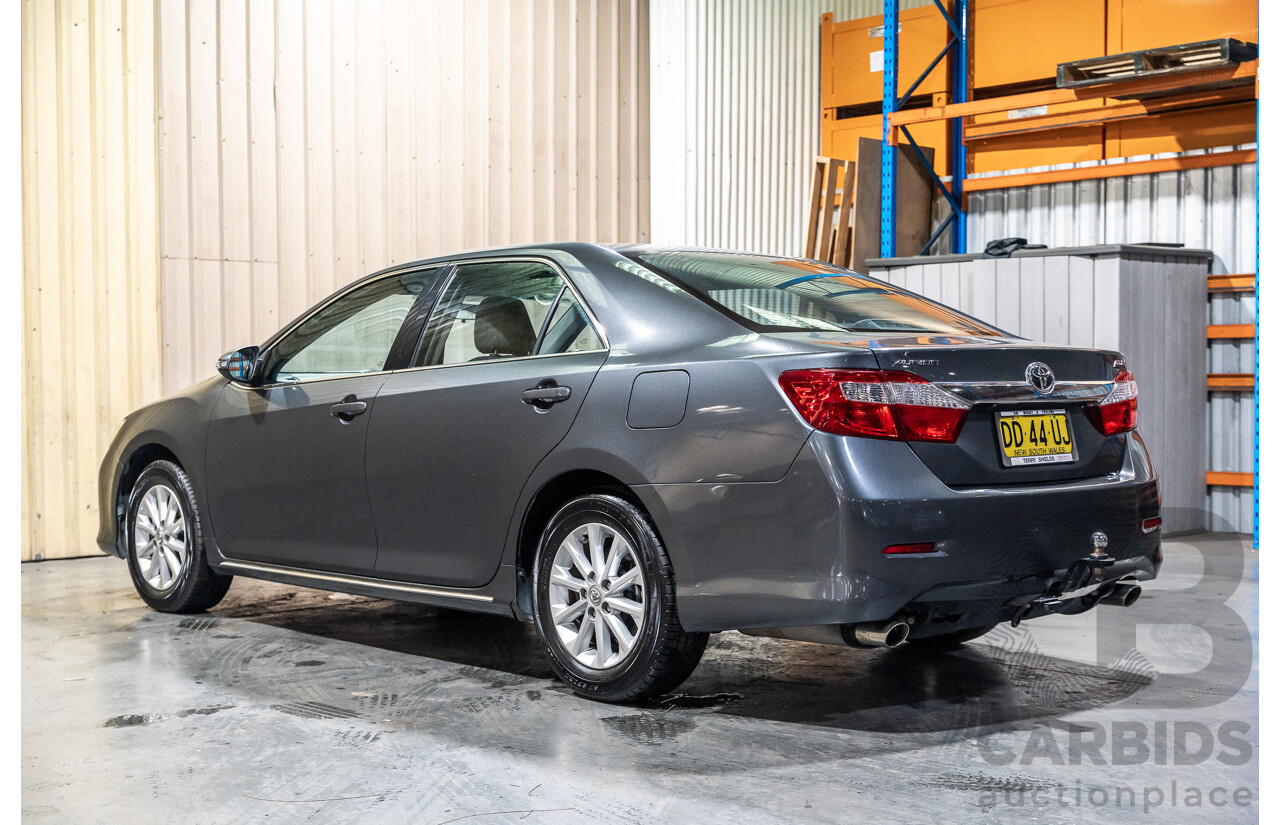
x,y
807,550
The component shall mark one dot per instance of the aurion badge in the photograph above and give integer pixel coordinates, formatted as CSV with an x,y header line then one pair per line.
x,y
1040,377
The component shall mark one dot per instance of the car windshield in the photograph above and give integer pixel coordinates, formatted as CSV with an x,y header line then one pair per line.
x,y
787,295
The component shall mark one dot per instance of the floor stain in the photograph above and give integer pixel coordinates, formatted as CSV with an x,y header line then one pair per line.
x,y
308,663
314,710
204,711
683,701
649,728
986,782
130,720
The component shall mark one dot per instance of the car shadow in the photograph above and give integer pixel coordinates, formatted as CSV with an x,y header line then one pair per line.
x,y
999,683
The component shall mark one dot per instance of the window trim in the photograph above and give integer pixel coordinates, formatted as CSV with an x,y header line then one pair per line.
x,y
567,283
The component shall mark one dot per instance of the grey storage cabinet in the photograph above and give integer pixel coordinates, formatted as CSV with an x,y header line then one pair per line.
x,y
1148,302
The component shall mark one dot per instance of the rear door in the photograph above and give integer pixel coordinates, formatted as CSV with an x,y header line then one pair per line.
x,y
286,458
499,375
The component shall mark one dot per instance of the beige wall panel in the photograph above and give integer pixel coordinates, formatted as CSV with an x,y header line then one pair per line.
x,y
305,144
91,334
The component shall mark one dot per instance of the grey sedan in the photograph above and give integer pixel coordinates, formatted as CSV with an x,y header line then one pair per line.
x,y
636,447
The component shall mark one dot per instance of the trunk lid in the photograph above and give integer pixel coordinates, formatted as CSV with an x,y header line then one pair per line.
x,y
992,373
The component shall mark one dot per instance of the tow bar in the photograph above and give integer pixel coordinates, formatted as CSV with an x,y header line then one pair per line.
x,y
1081,573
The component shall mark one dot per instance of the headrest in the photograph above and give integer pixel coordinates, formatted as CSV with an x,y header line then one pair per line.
x,y
503,327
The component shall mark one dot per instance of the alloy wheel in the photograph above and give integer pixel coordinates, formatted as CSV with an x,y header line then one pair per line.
x,y
596,596
160,538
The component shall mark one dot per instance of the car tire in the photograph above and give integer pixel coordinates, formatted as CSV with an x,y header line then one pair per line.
x,y
951,641
164,543
645,650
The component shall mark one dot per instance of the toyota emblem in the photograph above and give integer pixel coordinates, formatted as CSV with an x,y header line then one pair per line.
x,y
1040,377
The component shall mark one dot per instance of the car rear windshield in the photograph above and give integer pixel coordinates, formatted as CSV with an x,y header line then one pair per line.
x,y
786,295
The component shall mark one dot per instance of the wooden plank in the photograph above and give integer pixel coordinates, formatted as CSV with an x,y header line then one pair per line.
x,y
1216,331
1112,170
1231,382
1219,479
828,213
1232,283
815,202
1225,75
843,228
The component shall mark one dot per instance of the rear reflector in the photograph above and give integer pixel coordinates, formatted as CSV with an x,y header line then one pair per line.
x,y
1118,412
900,549
875,404
1150,524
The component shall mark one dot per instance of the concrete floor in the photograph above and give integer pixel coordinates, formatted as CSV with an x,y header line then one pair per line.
x,y
290,705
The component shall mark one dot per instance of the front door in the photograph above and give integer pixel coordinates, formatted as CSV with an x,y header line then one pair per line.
x,y
286,459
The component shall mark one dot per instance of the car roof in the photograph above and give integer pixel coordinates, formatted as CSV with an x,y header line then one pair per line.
x,y
572,247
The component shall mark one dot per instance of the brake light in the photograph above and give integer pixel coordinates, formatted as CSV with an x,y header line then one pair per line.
x,y
1151,524
875,404
1118,412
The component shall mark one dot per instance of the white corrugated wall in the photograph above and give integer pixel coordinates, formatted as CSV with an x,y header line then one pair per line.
x,y
1212,209
90,329
305,144
736,118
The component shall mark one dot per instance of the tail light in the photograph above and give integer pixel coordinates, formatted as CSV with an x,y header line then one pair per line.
x,y
907,549
1118,412
875,404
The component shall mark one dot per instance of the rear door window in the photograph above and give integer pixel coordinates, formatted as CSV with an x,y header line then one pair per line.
x,y
504,309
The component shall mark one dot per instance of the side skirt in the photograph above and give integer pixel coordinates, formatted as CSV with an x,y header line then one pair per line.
x,y
479,600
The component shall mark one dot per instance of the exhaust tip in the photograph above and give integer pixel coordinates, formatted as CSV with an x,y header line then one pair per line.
x,y
1123,595
881,634
897,634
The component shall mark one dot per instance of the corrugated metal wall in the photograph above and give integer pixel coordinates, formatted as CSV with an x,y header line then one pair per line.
x,y
304,144
91,326
1211,209
736,120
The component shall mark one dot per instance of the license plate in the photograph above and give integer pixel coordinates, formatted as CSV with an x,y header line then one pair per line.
x,y
1030,437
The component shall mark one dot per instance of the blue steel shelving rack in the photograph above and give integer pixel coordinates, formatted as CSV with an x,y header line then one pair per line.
x,y
958,47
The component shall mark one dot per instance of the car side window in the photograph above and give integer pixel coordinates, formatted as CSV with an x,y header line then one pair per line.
x,y
500,310
351,335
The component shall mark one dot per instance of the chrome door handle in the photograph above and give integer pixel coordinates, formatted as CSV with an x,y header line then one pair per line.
x,y
545,394
348,409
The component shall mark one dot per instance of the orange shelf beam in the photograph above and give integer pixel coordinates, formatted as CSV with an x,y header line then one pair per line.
x,y
1221,331
1232,283
1127,110
1220,76
1112,170
1231,382
1228,479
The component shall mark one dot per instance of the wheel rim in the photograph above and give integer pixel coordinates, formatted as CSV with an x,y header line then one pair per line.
x,y
596,596
160,540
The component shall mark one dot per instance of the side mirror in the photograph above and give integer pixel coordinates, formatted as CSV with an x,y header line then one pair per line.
x,y
239,365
